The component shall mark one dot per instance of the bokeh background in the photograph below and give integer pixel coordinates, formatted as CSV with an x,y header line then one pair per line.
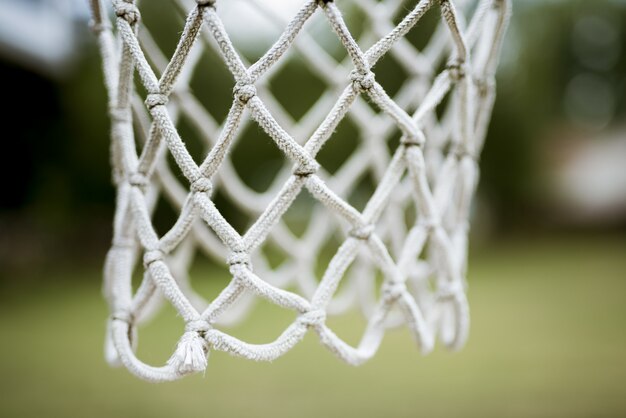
x,y
548,252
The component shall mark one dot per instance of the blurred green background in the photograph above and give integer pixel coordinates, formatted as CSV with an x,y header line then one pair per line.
x,y
547,266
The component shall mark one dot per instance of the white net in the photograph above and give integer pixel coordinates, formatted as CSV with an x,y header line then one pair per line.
x,y
401,258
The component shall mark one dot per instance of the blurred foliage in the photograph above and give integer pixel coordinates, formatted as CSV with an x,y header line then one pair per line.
x,y
547,340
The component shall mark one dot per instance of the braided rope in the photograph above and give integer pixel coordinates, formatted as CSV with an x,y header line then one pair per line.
x,y
434,168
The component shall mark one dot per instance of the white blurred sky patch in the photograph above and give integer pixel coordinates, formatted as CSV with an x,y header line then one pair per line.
x,y
44,35
41,34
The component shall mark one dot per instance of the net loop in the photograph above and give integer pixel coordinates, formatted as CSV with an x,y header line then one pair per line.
x,y
362,81
313,318
457,71
362,232
306,170
392,290
156,99
202,185
205,3
244,92
239,258
123,315
447,290
416,139
152,256
138,180
198,325
127,11
119,115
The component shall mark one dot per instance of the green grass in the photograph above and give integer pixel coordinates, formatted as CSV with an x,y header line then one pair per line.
x,y
548,340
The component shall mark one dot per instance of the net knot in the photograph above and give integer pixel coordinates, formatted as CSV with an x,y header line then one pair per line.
x,y
123,242
313,318
202,184
462,151
449,290
123,315
127,11
417,139
156,99
205,3
362,232
484,85
239,258
119,115
151,256
244,92
138,180
362,81
429,223
96,27
306,170
197,325
457,71
392,290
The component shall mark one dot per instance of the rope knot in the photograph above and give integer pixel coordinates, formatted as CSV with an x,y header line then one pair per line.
x,y
393,289
120,115
151,256
462,151
485,85
156,99
205,3
428,223
416,140
202,184
457,71
307,169
138,180
362,81
127,11
313,318
123,315
244,92
197,325
449,290
123,242
362,232
239,258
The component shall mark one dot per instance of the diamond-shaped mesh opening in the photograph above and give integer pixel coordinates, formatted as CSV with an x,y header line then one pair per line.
x,y
273,254
208,274
195,140
327,251
298,217
232,213
362,191
164,215
159,335
169,25
270,322
342,145
421,34
259,168
212,84
296,87
390,74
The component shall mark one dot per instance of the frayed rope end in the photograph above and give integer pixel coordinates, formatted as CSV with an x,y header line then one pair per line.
x,y
191,353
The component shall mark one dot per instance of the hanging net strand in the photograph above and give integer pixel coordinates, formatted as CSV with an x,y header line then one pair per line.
x,y
433,169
